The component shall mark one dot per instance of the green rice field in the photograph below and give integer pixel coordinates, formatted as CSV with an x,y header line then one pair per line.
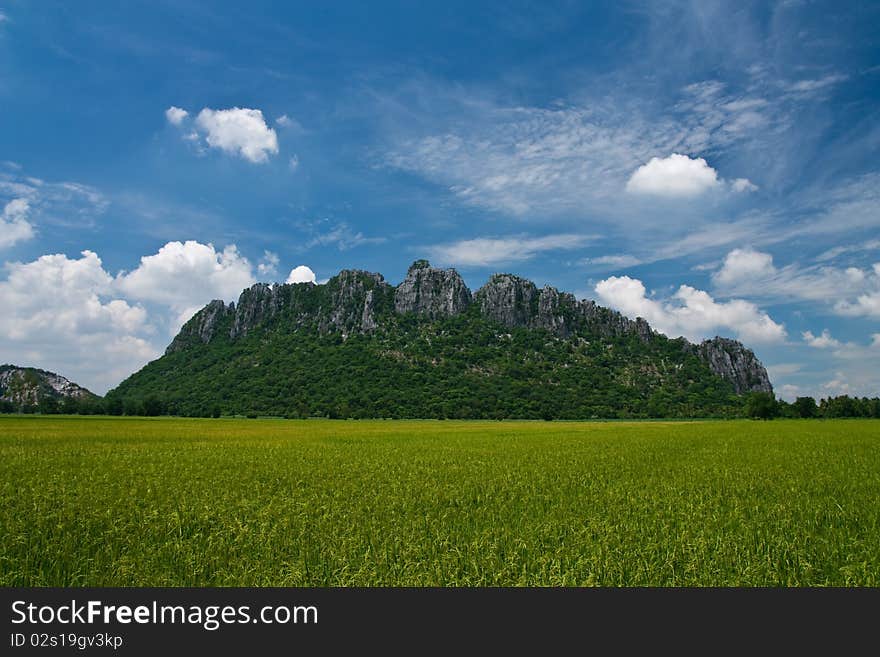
x,y
186,502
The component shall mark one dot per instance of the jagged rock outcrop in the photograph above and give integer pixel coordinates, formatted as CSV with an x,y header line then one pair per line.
x,y
516,302
355,297
28,386
256,305
356,301
431,292
732,361
508,300
203,326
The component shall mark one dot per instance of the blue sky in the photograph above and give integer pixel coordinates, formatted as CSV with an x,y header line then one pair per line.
x,y
710,166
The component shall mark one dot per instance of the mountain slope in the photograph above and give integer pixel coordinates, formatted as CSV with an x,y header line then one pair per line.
x,y
358,347
31,389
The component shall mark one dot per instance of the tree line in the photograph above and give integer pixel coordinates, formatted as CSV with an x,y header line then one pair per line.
x,y
756,405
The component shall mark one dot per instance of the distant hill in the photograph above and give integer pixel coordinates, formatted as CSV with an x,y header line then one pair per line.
x,y
358,347
30,389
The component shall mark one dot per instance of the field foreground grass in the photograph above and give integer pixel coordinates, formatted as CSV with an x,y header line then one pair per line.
x,y
180,502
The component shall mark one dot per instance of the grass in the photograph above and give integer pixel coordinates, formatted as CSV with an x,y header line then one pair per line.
x,y
177,502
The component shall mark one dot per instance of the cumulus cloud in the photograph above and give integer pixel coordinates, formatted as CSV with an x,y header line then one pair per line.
x,y
487,251
823,341
676,176
868,303
240,131
744,264
301,274
14,226
64,315
293,163
175,115
72,316
184,276
691,313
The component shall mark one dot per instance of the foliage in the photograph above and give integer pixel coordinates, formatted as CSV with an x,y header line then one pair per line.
x,y
761,405
460,367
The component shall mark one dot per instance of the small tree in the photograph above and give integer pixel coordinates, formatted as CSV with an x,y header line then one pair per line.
x,y
762,405
805,407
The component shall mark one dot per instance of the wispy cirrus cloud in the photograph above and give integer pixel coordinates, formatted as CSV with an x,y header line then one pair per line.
x,y
538,162
338,234
490,251
27,203
849,291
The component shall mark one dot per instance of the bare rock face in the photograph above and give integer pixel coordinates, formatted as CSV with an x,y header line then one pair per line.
x,y
203,326
508,300
557,312
516,302
353,300
28,386
431,292
256,304
732,361
609,323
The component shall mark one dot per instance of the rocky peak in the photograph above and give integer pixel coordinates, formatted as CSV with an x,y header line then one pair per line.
x,y
431,292
508,300
556,313
354,299
731,360
203,326
256,304
28,386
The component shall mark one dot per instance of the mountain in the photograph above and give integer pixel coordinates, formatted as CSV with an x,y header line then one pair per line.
x,y
360,347
30,389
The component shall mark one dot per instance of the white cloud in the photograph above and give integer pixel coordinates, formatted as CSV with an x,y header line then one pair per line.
x,y
301,274
175,115
835,252
284,121
185,276
823,341
875,340
487,251
539,162
3,17
240,131
743,185
63,314
293,163
676,176
341,235
268,266
27,202
14,226
744,264
814,85
691,313
850,291
620,261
